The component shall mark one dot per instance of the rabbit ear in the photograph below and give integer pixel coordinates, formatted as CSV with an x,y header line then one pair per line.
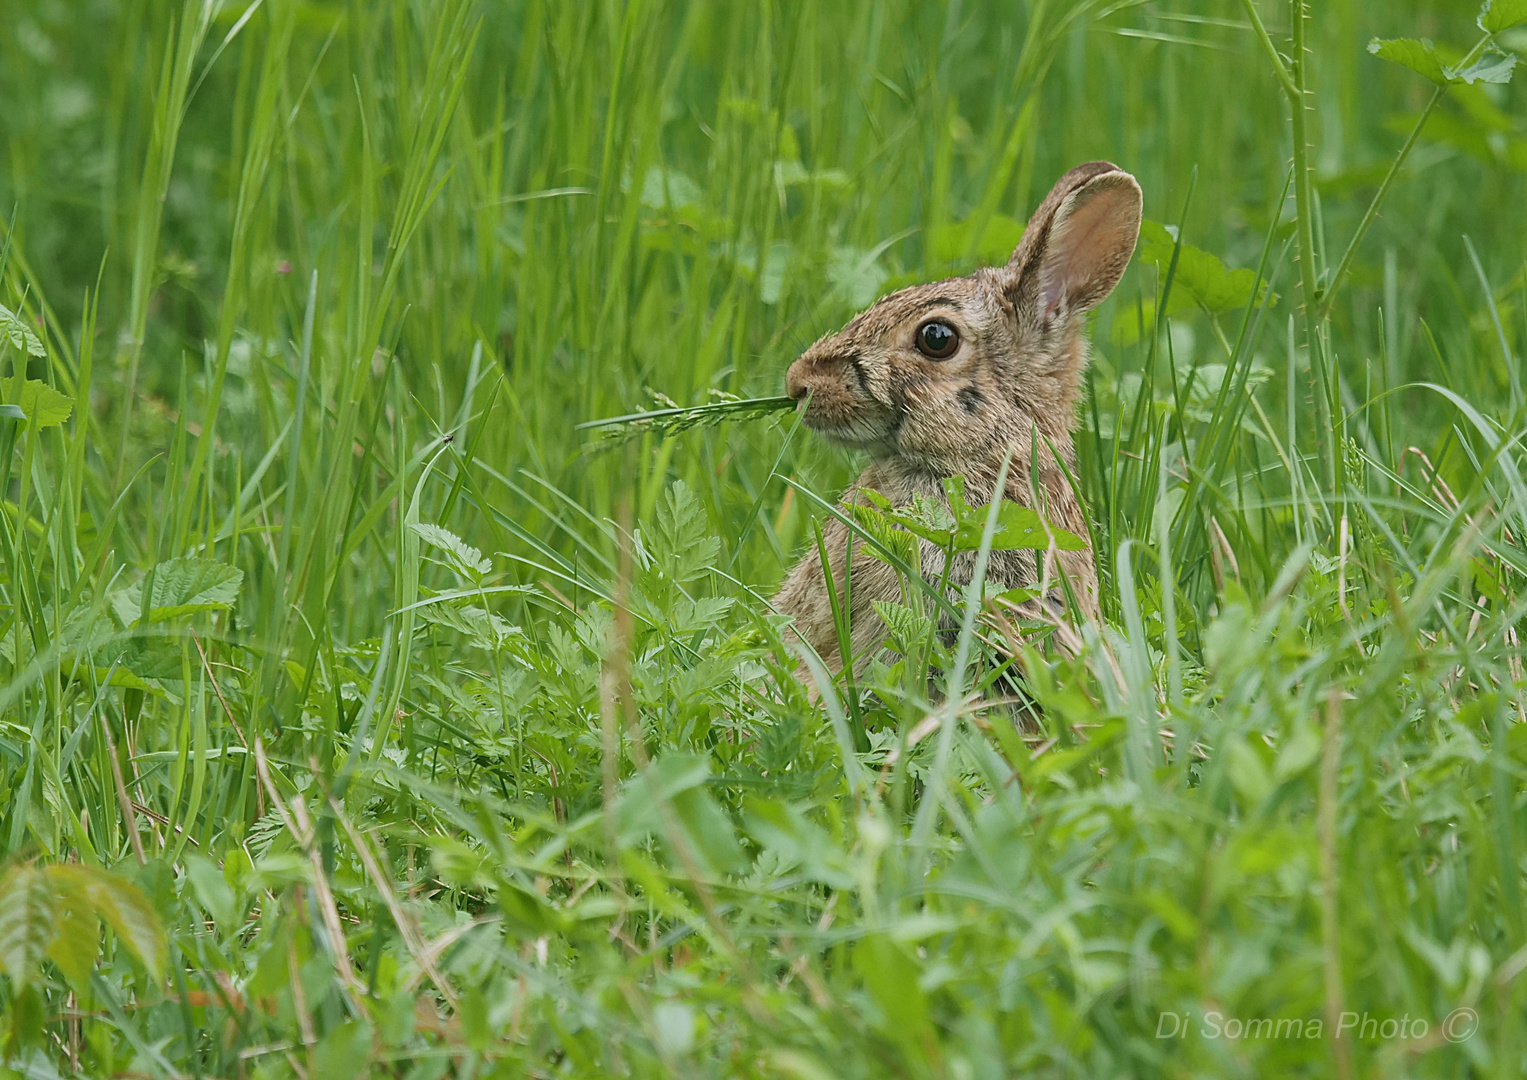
x,y
1078,243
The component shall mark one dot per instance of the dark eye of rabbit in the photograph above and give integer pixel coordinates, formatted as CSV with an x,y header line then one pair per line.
x,y
937,340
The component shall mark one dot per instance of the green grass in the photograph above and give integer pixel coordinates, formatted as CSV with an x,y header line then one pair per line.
x,y
320,291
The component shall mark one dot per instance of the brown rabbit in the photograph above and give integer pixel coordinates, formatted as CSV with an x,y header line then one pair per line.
x,y
949,378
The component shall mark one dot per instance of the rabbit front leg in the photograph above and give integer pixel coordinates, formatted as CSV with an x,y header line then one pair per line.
x,y
804,596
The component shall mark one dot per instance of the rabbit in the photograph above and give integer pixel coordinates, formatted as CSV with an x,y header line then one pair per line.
x,y
949,378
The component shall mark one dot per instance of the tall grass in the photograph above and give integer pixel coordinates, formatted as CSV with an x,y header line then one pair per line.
x,y
393,725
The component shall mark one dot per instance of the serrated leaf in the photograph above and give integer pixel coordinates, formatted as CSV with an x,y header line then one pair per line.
x,y
955,523
1417,54
1498,15
26,923
152,657
21,336
700,614
481,628
782,828
465,559
1493,67
181,587
38,404
120,904
1200,278
1421,56
681,540
905,625
876,524
1017,528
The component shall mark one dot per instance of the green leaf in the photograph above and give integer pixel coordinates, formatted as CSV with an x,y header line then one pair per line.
x,y
1421,56
1417,54
663,188
1493,67
890,974
1298,753
12,412
1018,527
21,336
856,275
673,1022
1498,15
636,813
783,829
481,628
74,666
27,923
122,906
958,242
1248,774
526,911
883,529
38,404
907,627
671,797
1198,399
682,544
211,889
462,557
1201,278
958,524
181,587
78,942
472,1011
344,1053
687,616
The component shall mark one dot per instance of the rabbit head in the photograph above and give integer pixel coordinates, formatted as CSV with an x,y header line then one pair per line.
x,y
951,373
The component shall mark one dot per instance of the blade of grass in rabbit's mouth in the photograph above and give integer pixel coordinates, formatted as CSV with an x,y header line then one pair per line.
x,y
672,421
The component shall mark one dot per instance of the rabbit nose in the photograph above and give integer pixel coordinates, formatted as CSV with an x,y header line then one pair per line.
x,y
795,382
806,374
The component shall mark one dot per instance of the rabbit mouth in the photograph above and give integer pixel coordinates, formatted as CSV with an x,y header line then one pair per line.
x,y
856,433
846,419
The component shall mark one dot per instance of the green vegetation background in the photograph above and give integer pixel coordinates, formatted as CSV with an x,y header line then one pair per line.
x,y
359,716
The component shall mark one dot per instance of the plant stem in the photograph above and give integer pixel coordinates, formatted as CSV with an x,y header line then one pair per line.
x,y
1279,67
1304,201
1330,917
1372,213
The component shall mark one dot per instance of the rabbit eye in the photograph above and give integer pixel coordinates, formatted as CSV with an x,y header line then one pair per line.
x,y
937,340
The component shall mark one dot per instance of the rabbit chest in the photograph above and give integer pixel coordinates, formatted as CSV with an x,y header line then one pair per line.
x,y
804,594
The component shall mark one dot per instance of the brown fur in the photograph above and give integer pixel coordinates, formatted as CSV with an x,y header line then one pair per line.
x,y
1016,377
